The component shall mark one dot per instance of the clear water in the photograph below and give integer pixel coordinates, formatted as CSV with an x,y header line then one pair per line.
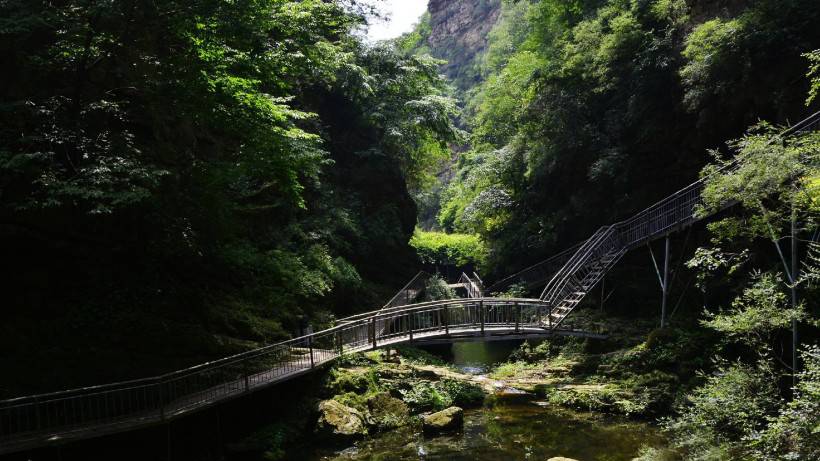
x,y
520,431
507,430
478,357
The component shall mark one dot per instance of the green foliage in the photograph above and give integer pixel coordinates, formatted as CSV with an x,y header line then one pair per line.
x,y
709,52
719,416
343,381
426,395
242,167
738,412
773,177
455,249
755,316
437,289
814,75
461,393
516,290
477,201
591,109
415,42
793,433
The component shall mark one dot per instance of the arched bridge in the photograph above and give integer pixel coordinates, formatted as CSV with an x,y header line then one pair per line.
x,y
82,413
58,417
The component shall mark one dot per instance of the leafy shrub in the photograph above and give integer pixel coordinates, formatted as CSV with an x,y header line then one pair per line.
x,y
449,249
424,396
463,394
437,289
720,415
795,432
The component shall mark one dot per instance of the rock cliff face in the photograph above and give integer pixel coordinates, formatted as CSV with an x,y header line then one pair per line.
x,y
458,34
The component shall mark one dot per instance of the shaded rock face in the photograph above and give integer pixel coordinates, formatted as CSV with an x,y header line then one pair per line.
x,y
448,420
340,423
458,34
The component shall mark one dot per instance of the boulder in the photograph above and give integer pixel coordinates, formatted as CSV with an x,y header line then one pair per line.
x,y
387,412
561,458
451,419
339,422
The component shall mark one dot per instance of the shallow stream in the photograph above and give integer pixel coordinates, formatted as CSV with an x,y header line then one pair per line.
x,y
507,430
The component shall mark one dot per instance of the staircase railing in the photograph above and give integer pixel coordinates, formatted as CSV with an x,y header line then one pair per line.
x,y
537,274
600,252
473,285
408,294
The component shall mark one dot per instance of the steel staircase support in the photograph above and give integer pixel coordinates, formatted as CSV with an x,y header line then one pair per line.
x,y
598,254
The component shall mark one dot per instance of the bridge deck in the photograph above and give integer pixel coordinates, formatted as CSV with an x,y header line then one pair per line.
x,y
294,365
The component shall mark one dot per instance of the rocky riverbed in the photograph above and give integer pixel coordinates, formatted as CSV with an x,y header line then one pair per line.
x,y
406,405
579,399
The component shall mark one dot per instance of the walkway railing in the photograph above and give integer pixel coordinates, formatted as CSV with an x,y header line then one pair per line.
x,y
536,275
473,285
37,420
601,252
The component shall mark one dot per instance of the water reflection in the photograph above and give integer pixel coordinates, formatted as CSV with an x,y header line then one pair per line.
x,y
476,357
512,432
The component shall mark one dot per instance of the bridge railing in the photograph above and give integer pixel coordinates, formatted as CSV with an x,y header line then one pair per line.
x,y
99,409
115,406
673,212
408,294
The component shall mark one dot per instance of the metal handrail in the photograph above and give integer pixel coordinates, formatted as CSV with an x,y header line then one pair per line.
x,y
473,287
523,274
33,420
580,257
673,212
401,298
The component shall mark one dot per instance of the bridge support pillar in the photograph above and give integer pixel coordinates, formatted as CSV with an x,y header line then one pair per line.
x,y
310,349
517,317
481,313
663,278
410,325
373,331
665,285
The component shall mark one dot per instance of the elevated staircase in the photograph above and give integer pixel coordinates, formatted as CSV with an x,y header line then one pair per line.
x,y
41,420
598,254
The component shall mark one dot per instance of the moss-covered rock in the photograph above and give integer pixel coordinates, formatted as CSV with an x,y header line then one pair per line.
x,y
448,420
387,412
357,379
340,423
